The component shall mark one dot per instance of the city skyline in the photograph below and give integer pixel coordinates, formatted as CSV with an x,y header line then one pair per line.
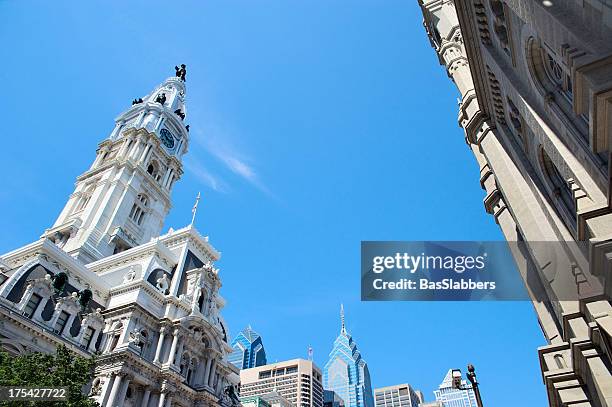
x,y
240,155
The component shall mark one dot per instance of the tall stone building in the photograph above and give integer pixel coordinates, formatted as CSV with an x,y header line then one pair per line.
x,y
103,279
535,79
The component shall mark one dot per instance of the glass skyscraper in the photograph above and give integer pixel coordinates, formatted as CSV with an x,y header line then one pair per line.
x,y
455,397
346,372
248,350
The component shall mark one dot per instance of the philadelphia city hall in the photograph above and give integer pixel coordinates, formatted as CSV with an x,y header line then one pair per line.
x,y
103,280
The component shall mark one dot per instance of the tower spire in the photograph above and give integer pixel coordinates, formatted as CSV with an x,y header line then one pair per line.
x,y
143,154
343,329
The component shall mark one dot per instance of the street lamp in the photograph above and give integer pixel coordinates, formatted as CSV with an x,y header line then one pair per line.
x,y
471,375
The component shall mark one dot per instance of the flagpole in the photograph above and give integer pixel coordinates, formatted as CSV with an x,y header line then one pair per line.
x,y
194,210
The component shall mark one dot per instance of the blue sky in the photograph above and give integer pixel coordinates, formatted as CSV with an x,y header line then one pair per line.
x,y
315,125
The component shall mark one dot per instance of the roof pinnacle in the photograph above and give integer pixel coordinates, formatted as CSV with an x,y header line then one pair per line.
x,y
343,329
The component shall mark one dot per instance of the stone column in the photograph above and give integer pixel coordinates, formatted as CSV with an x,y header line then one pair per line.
x,y
104,392
180,352
219,385
123,392
37,315
94,339
162,399
145,397
114,390
68,325
173,347
124,148
160,344
207,370
213,370
166,176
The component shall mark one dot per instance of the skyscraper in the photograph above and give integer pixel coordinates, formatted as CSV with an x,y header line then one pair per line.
x,y
346,372
248,350
455,396
400,395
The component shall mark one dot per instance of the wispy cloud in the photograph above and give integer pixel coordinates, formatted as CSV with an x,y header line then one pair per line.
x,y
206,177
218,145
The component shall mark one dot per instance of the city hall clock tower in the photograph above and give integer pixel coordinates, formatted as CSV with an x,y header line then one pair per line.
x,y
121,201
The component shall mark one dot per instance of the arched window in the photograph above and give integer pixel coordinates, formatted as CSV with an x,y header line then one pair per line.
x,y
557,74
115,335
553,80
559,361
154,171
139,209
559,186
143,342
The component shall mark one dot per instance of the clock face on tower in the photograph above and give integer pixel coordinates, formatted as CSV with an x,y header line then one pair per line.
x,y
167,138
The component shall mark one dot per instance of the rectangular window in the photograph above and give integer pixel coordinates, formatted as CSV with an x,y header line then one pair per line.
x,y
61,322
32,304
87,336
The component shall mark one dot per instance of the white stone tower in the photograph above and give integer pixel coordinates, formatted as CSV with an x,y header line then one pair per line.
x,y
122,200
152,313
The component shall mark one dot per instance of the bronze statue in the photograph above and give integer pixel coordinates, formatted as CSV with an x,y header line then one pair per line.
x,y
187,127
181,72
136,101
161,98
180,114
230,392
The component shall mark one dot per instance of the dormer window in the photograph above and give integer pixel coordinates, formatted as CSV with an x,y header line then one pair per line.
x,y
61,322
139,208
32,305
87,337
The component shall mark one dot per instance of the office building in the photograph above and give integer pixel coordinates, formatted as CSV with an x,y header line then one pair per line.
x,y
248,350
296,380
400,395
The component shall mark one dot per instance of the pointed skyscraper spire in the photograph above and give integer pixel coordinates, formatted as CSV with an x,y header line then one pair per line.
x,y
343,329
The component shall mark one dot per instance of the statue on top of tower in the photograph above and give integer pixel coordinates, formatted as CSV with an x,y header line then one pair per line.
x,y
181,72
180,114
161,98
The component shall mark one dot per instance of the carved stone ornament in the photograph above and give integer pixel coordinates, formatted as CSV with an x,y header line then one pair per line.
x,y
129,276
163,284
136,338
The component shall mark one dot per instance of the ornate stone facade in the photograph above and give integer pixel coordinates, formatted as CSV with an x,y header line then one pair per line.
x,y
102,280
535,79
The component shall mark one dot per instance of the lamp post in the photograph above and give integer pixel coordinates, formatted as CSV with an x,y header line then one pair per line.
x,y
471,375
